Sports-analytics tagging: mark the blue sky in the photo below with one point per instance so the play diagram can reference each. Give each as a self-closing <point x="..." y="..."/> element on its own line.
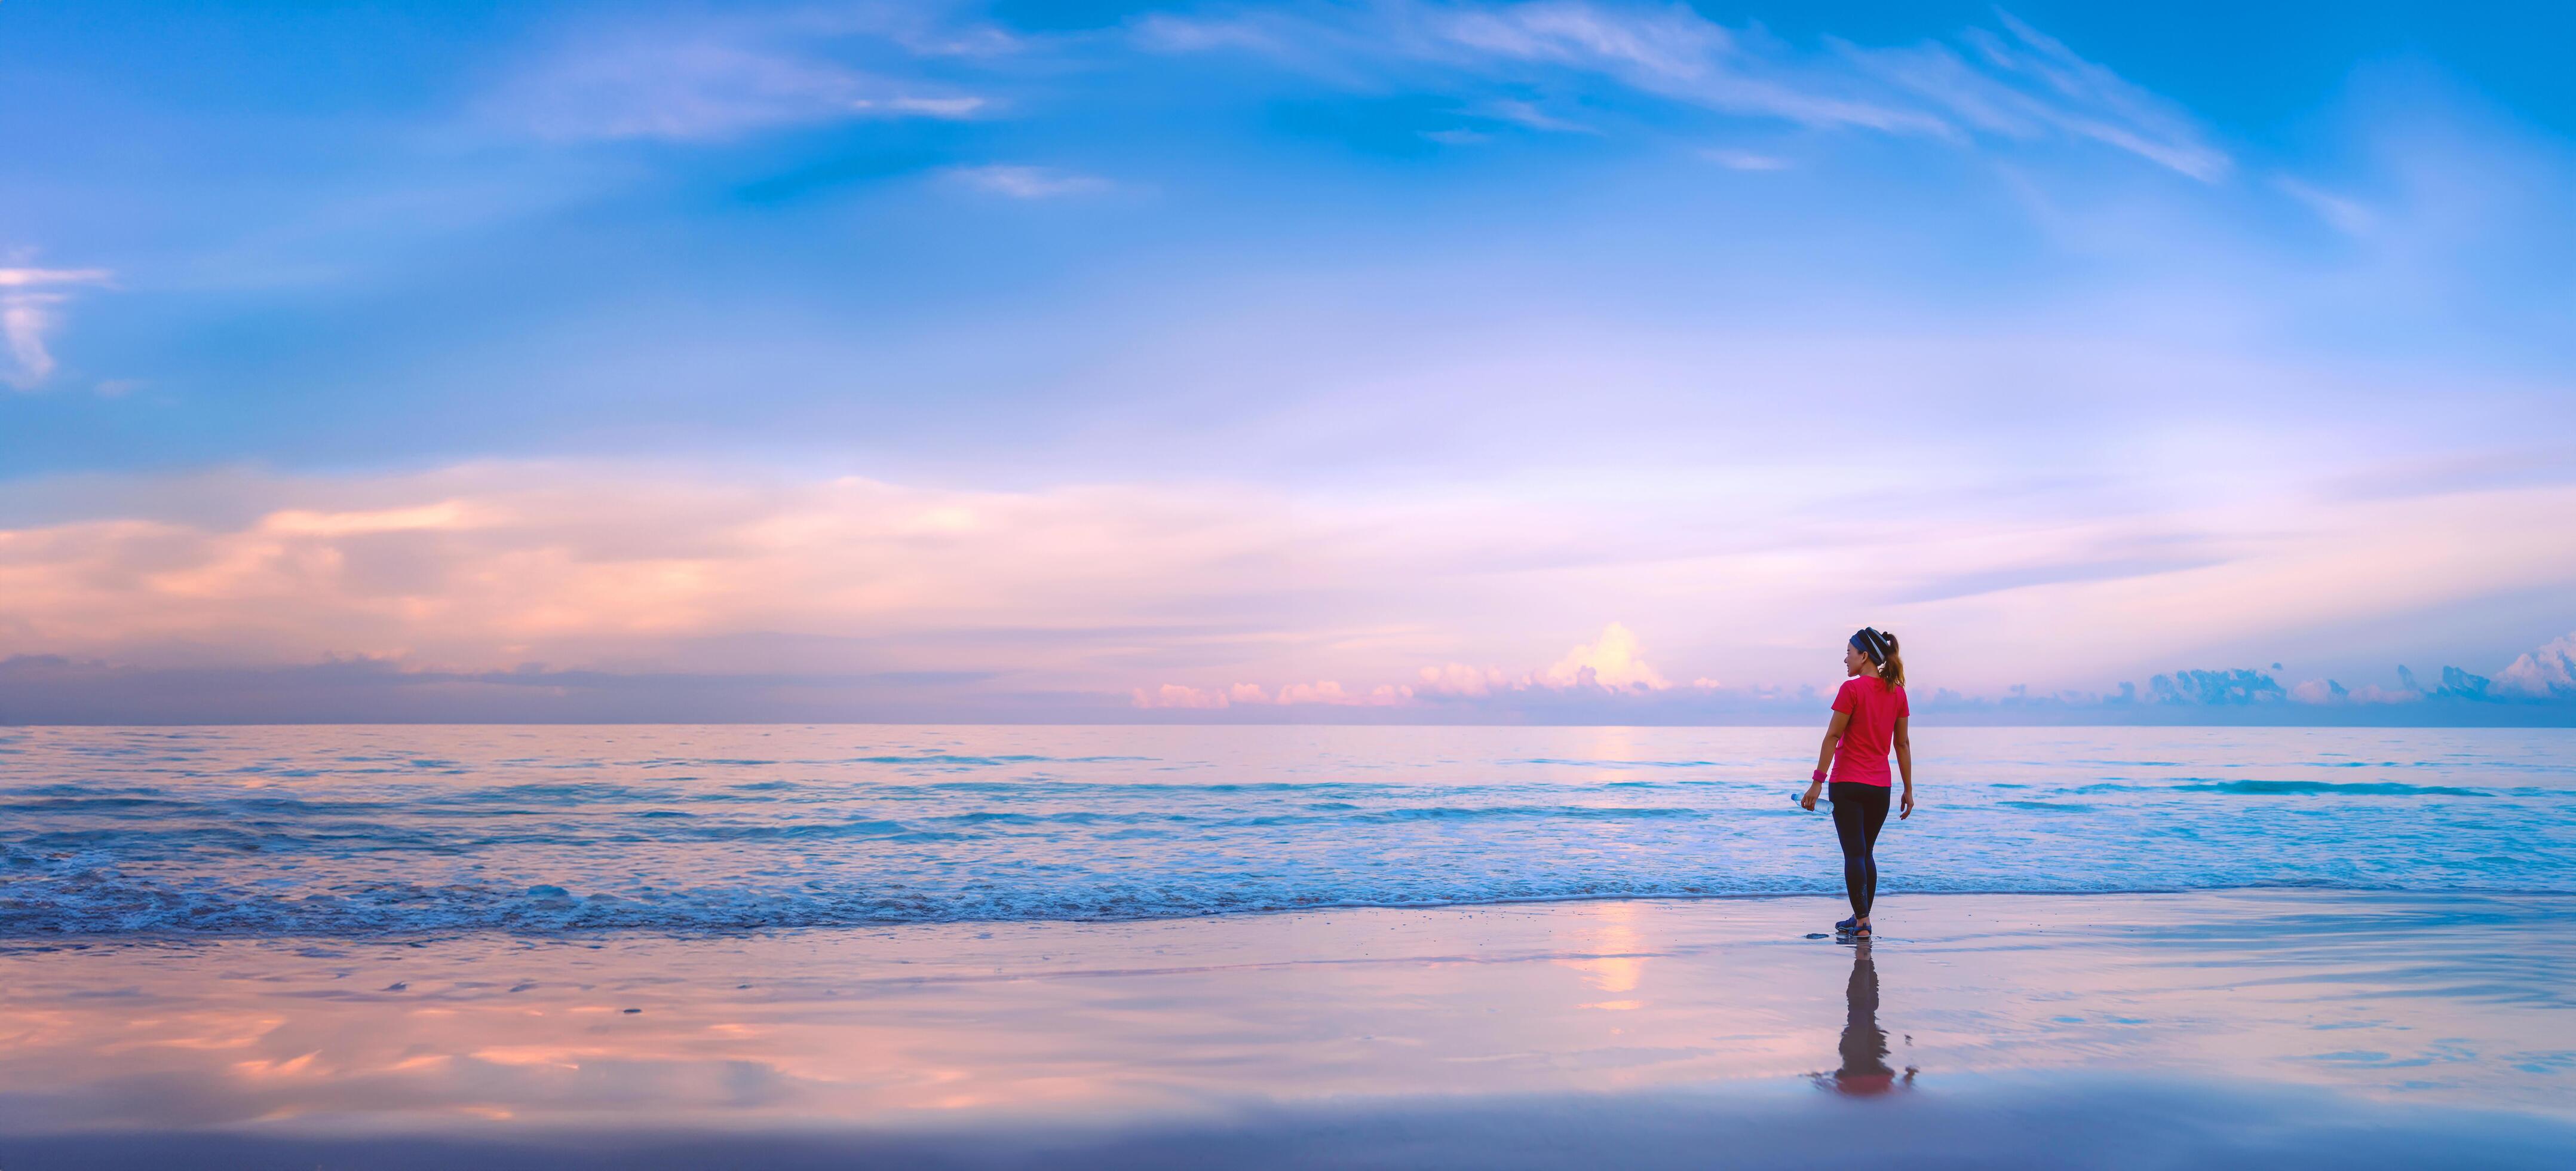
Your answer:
<point x="1051" y="360"/>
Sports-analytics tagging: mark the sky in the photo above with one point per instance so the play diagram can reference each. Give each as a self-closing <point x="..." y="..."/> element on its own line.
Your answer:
<point x="1395" y="360"/>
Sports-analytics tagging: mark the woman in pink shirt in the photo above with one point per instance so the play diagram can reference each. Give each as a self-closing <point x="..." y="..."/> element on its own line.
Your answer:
<point x="1869" y="719"/>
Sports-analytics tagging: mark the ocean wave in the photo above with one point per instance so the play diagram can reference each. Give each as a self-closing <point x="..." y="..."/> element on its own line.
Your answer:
<point x="2256" y="788"/>
<point x="394" y="831"/>
<point x="2335" y="788"/>
<point x="1620" y="764"/>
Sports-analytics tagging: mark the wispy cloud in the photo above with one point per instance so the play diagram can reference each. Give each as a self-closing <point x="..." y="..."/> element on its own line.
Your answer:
<point x="1027" y="182"/>
<point x="2016" y="84"/>
<point x="30" y="311"/>
<point x="721" y="80"/>
<point x="2025" y="84"/>
<point x="1744" y="160"/>
<point x="1671" y="51"/>
<point x="956" y="107"/>
<point x="1522" y="113"/>
<point x="29" y="278"/>
<point x="2345" y="214"/>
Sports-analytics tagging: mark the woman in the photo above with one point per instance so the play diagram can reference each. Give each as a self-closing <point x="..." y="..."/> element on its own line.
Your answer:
<point x="1869" y="718"/>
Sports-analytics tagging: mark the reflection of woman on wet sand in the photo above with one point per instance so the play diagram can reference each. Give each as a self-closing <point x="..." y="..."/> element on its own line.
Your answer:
<point x="1864" y="1070"/>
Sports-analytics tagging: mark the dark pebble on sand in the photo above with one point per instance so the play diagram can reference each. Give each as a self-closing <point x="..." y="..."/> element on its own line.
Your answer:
<point x="397" y="986"/>
<point x="634" y="1010"/>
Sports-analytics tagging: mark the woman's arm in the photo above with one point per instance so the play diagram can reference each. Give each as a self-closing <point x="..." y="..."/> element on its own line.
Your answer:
<point x="1825" y="755"/>
<point x="1905" y="767"/>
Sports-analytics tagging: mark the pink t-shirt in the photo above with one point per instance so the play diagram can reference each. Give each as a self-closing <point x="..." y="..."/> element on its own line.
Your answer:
<point x="1875" y="708"/>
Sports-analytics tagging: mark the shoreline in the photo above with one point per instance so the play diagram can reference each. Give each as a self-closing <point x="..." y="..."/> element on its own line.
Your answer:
<point x="12" y="944"/>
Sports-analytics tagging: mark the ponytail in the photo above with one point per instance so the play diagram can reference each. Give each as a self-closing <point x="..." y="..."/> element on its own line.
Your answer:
<point x="1879" y="647"/>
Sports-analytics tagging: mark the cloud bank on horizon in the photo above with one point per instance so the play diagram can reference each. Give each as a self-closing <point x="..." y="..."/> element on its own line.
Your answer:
<point x="1391" y="360"/>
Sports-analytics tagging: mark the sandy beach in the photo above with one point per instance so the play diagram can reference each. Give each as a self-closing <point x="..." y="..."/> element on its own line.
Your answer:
<point x="2147" y="1030"/>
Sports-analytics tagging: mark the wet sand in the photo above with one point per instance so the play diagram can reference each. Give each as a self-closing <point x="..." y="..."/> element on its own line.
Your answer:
<point x="2180" y="1030"/>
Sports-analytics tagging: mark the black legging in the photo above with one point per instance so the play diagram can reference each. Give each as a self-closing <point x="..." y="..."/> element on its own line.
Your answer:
<point x="1858" y="812"/>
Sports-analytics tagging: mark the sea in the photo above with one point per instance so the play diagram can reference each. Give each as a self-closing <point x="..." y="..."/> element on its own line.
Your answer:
<point x="407" y="831"/>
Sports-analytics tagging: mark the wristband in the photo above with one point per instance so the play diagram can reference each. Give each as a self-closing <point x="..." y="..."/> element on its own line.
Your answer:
<point x="1820" y="776"/>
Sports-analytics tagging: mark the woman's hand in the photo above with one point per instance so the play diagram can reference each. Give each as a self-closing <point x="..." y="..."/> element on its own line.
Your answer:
<point x="1808" y="802"/>
<point x="1909" y="802"/>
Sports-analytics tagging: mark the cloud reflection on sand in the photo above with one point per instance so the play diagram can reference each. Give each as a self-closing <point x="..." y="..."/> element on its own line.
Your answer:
<point x="1172" y="1020"/>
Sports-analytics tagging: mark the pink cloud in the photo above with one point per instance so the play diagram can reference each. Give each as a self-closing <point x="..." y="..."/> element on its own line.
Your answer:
<point x="1463" y="681"/>
<point x="1609" y="661"/>
<point x="1174" y="695"/>
<point x="2547" y="673"/>
<point x="2316" y="691"/>
<point x="1108" y="589"/>
<point x="486" y="566"/>
<point x="1324" y="692"/>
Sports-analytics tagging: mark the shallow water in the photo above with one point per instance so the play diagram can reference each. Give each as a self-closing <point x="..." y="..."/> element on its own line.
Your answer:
<point x="326" y="831"/>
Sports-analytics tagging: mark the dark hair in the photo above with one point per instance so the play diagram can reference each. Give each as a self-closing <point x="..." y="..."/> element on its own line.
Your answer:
<point x="1880" y="648"/>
